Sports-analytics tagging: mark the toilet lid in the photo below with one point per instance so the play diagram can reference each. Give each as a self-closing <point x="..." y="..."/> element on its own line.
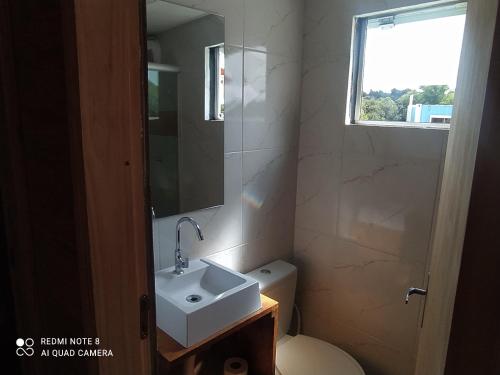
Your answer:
<point x="301" y="355"/>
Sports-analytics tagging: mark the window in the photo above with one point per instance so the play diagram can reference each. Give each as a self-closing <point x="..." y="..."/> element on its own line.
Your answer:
<point x="404" y="66"/>
<point x="214" y="83"/>
<point x="440" y="119"/>
<point x="153" y="94"/>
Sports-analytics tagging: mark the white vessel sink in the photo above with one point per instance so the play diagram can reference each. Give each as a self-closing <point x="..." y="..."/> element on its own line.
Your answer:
<point x="206" y="298"/>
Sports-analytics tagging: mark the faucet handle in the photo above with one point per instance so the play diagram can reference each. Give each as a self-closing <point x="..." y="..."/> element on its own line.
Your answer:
<point x="185" y="262"/>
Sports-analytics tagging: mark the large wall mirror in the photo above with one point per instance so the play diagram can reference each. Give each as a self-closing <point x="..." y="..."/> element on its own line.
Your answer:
<point x="185" y="76"/>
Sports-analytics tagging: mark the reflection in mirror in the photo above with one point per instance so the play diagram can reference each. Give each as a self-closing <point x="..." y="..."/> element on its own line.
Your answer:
<point x="185" y="77"/>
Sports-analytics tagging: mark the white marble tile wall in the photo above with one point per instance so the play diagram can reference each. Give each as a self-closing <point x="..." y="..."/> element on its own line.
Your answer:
<point x="364" y="197"/>
<point x="263" y="70"/>
<point x="365" y="204"/>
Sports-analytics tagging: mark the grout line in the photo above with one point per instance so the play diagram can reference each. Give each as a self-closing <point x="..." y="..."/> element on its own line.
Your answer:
<point x="243" y="53"/>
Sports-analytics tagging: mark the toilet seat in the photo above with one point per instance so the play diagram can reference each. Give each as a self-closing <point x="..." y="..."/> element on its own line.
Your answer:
<point x="302" y="354"/>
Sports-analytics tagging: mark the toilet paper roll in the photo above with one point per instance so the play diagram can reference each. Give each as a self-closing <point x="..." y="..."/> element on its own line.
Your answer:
<point x="235" y="366"/>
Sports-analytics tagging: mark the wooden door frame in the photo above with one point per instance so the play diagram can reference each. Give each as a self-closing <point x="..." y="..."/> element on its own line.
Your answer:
<point x="45" y="225"/>
<point x="456" y="187"/>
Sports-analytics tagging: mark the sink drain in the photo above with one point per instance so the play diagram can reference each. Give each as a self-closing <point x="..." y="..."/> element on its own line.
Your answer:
<point x="193" y="298"/>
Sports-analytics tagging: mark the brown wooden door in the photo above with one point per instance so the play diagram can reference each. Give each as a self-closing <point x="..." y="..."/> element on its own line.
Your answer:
<point x="73" y="179"/>
<point x="109" y="60"/>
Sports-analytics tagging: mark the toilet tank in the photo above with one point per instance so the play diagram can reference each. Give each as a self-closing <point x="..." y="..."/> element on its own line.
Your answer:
<point x="277" y="280"/>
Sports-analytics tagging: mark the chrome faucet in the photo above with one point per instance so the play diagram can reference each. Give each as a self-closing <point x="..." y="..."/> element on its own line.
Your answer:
<point x="181" y="262"/>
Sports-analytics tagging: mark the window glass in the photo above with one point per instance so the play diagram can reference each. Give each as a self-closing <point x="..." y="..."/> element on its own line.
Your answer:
<point x="153" y="94"/>
<point x="214" y="81"/>
<point x="408" y="66"/>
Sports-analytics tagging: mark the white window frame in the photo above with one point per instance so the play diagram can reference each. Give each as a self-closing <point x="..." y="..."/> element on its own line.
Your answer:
<point x="358" y="46"/>
<point x="213" y="99"/>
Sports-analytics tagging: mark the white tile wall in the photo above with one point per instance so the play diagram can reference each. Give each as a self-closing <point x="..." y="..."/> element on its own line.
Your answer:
<point x="271" y="102"/>
<point x="364" y="197"/>
<point x="365" y="205"/>
<point x="274" y="26"/>
<point x="263" y="70"/>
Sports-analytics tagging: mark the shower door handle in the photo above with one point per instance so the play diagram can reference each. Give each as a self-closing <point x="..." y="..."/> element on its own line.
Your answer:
<point x="411" y="291"/>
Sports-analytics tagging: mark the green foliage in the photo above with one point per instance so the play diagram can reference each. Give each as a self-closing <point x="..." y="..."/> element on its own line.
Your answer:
<point x="403" y="101"/>
<point x="449" y="98"/>
<point x="379" y="109"/>
<point x="153" y="99"/>
<point x="392" y="106"/>
<point x="434" y="94"/>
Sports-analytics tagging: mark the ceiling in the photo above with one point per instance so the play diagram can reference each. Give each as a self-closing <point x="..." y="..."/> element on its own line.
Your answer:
<point x="162" y="16"/>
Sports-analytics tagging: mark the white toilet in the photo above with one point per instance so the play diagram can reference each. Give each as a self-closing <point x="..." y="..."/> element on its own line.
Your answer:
<point x="299" y="355"/>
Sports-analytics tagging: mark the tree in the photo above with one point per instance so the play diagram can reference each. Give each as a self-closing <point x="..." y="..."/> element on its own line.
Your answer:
<point x="382" y="109"/>
<point x="449" y="98"/>
<point x="397" y="94"/>
<point x="403" y="102"/>
<point x="393" y="106"/>
<point x="434" y="94"/>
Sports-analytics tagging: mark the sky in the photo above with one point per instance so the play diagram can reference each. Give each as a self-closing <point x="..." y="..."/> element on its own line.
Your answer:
<point x="154" y="76"/>
<point x="413" y="54"/>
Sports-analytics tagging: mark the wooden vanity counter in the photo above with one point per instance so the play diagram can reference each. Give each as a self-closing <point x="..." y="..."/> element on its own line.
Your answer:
<point x="253" y="338"/>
